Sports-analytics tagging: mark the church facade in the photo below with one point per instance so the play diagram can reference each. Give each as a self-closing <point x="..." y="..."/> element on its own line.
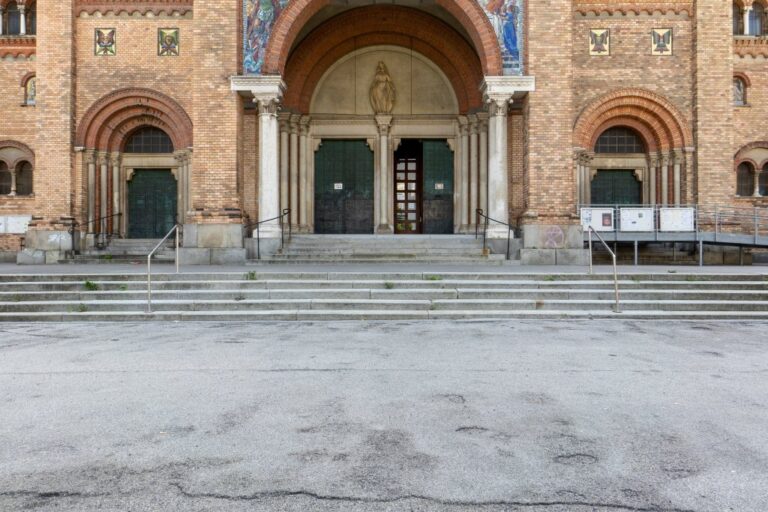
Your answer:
<point x="121" y="118"/>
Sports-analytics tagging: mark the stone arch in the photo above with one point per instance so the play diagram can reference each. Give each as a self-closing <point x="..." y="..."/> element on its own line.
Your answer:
<point x="743" y="155"/>
<point x="298" y="12"/>
<point x="14" y="152"/>
<point x="111" y="119"/>
<point x="650" y="113"/>
<point x="363" y="27"/>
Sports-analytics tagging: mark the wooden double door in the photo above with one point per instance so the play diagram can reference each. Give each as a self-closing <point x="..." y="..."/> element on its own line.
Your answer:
<point x="617" y="186"/>
<point x="152" y="200"/>
<point x="423" y="187"/>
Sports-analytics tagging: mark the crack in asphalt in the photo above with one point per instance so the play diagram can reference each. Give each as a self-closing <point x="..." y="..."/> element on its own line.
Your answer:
<point x="352" y="499"/>
<point x="47" y="495"/>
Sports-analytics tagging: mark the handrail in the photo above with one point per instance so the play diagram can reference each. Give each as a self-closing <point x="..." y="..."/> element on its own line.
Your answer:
<point x="590" y="230"/>
<point x="479" y="213"/>
<point x="257" y="225"/>
<point x="76" y="224"/>
<point x="175" y="229"/>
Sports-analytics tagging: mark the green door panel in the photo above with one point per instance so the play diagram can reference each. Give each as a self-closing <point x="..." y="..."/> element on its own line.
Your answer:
<point x="152" y="199"/>
<point x="438" y="187"/>
<point x="344" y="187"/>
<point x="616" y="187"/>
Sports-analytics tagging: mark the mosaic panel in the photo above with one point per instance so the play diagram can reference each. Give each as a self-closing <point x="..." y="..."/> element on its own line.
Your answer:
<point x="105" y="42"/>
<point x="168" y="42"/>
<point x="599" y="41"/>
<point x="507" y="17"/>
<point x="661" y="41"/>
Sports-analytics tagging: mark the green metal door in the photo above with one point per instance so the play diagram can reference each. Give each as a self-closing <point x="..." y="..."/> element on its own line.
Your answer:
<point x="344" y="187"/>
<point x="616" y="187"/>
<point x="438" y="187"/>
<point x="151" y="203"/>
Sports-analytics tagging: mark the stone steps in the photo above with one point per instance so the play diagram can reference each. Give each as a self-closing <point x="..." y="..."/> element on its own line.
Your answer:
<point x="379" y="295"/>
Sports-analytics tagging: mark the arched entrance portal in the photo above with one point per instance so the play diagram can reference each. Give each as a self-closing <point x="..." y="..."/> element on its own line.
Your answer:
<point x="136" y="163"/>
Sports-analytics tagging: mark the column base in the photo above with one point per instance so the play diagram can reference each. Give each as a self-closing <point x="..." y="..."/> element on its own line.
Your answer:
<point x="499" y="231"/>
<point x="384" y="229"/>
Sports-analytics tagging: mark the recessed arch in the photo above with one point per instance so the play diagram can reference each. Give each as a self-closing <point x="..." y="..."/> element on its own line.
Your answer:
<point x="111" y="119"/>
<point x="468" y="13"/>
<point x="19" y="152"/>
<point x="380" y="26"/>
<point x="650" y="114"/>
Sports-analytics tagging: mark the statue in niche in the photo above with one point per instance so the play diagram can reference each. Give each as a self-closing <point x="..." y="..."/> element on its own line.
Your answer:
<point x="382" y="91"/>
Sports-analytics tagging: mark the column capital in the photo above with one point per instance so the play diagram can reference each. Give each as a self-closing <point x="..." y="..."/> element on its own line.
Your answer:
<point x="383" y="122"/>
<point x="499" y="91"/>
<point x="115" y="158"/>
<point x="89" y="155"/>
<point x="266" y="91"/>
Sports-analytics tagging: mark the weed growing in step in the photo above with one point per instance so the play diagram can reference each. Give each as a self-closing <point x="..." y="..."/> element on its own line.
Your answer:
<point x="90" y="286"/>
<point x="433" y="278"/>
<point x="82" y="308"/>
<point x="106" y="257"/>
<point x="389" y="285"/>
<point x="550" y="278"/>
<point x="250" y="276"/>
<point x="16" y="298"/>
<point x="690" y="278"/>
<point x="239" y="298"/>
<point x="123" y="287"/>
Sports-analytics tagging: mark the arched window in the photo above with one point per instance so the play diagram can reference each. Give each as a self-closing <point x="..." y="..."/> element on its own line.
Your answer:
<point x="763" y="181"/>
<point x="739" y="91"/>
<point x="149" y="140"/>
<point x="745" y="180"/>
<point x="756" y="19"/>
<point x="30" y="91"/>
<point x="32" y="19"/>
<point x="738" y="20"/>
<point x="24" y="179"/>
<point x="5" y="179"/>
<point x="619" y="140"/>
<point x="12" y="20"/>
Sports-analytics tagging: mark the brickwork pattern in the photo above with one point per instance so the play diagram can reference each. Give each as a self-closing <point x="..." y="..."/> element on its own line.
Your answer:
<point x="516" y="165"/>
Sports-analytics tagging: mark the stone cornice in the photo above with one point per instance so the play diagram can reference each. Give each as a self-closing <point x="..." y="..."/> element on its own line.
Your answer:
<point x="155" y="7"/>
<point x="17" y="46"/>
<point x="636" y="7"/>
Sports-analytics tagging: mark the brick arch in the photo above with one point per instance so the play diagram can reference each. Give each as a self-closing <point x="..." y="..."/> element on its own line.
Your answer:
<point x="650" y="139"/>
<point x="298" y="12"/>
<point x="660" y="119"/>
<point x="111" y="119"/>
<point x="383" y="25"/>
<point x="27" y="154"/>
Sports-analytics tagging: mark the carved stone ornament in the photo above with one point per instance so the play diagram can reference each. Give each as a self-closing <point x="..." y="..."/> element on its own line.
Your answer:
<point x="382" y="91"/>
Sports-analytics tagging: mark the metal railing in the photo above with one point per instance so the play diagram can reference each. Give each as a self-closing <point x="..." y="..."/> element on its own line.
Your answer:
<point x="590" y="231"/>
<point x="257" y="225"/>
<point x="480" y="214"/>
<point x="104" y="235"/>
<point x="176" y="229"/>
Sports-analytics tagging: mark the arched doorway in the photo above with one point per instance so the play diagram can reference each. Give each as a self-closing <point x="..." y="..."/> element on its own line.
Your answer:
<point x="618" y="182"/>
<point x="136" y="164"/>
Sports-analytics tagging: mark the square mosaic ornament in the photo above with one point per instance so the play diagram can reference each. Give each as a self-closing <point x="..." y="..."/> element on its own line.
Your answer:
<point x="168" y="42"/>
<point x="105" y="42"/>
<point x="599" y="41"/>
<point x="661" y="41"/>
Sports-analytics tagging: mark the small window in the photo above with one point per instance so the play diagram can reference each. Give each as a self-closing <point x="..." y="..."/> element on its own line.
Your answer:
<point x="738" y="20"/>
<point x="763" y="181"/>
<point x="756" y="19"/>
<point x="619" y="140"/>
<point x="739" y="92"/>
<point x="24" y="179"/>
<point x="5" y="179"/>
<point x="149" y="140"/>
<point x="12" y="20"/>
<point x="745" y="180"/>
<point x="30" y="91"/>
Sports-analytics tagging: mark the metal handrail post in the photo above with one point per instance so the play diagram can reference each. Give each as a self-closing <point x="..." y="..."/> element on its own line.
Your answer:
<point x="589" y="232"/>
<point x="509" y="238"/>
<point x="757" y="225"/>
<point x="617" y="307"/>
<point x="175" y="229"/>
<point x="258" y="243"/>
<point x="177" y="249"/>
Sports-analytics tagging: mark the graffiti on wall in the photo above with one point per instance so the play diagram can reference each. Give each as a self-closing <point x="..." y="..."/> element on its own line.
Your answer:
<point x="506" y="16"/>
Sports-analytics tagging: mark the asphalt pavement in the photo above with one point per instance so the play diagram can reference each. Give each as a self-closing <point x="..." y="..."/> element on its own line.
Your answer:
<point x="555" y="416"/>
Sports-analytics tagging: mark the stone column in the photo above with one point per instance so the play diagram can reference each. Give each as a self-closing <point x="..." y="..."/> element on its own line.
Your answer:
<point x="463" y="187"/>
<point x="652" y="163"/>
<point x="303" y="181"/>
<point x="474" y="162"/>
<point x="383" y="122"/>
<point x="284" y="160"/>
<point x="665" y="179"/>
<point x="1" y="20"/>
<point x="677" y="179"/>
<point x="103" y="192"/>
<point x="756" y="174"/>
<point x="483" y="178"/>
<point x="269" y="195"/>
<point x="22" y="20"/>
<point x="114" y="221"/>
<point x="747" y="12"/>
<point x="294" y="169"/>
<point x="13" y="181"/>
<point x="498" y="177"/>
<point x="90" y="159"/>
<point x="182" y="178"/>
